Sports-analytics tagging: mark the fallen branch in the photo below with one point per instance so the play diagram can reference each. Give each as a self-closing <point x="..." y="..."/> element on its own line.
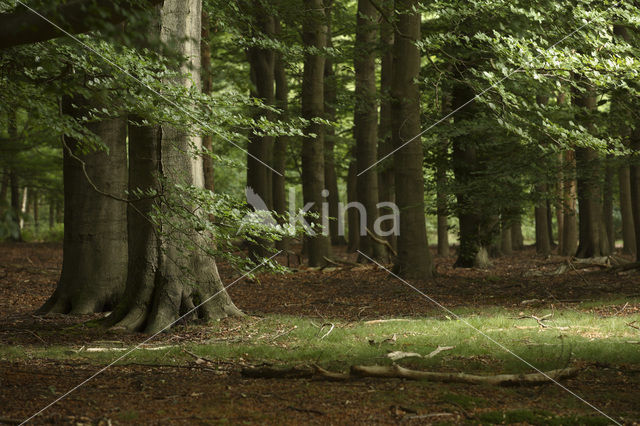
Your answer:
<point x="297" y="372"/>
<point x="381" y="321"/>
<point x="397" y="371"/>
<point x="381" y="241"/>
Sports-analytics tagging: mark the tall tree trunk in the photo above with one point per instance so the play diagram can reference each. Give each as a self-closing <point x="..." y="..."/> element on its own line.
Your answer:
<point x="366" y="122"/>
<point x="442" y="166"/>
<point x="558" y="203"/>
<point x="592" y="235"/>
<point x="517" y="239"/>
<point x="24" y="205"/>
<point x="353" y="215"/>
<point x="607" y="205"/>
<point x="15" y="202"/>
<point x="314" y="36"/>
<point x="330" y="100"/>
<point x="386" y="175"/>
<point x="464" y="163"/>
<point x="414" y="259"/>
<point x="569" y="213"/>
<point x="94" y="264"/>
<point x="36" y="224"/>
<point x="634" y="174"/>
<point x="281" y="142"/>
<point x="52" y="212"/>
<point x="166" y="280"/>
<point x="543" y="243"/>
<point x="506" y="245"/>
<point x="628" y="229"/>
<point x="207" y="87"/>
<point x="4" y="186"/>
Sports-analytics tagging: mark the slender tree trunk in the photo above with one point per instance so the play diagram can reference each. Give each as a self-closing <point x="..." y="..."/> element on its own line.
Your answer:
<point x="330" y="101"/>
<point x="353" y="215"/>
<point x="558" y="204"/>
<point x="94" y="264"/>
<point x="52" y="212"/>
<point x="314" y="36"/>
<point x="607" y="205"/>
<point x="15" y="201"/>
<point x="166" y="280"/>
<point x="281" y="142"/>
<point x="543" y="242"/>
<point x="36" y="219"/>
<point x="24" y="206"/>
<point x="414" y="259"/>
<point x="366" y="122"/>
<point x="569" y="213"/>
<point x="207" y="87"/>
<point x="386" y="175"/>
<point x="543" y="245"/>
<point x="442" y="167"/>
<point x="628" y="229"/>
<point x="634" y="174"/>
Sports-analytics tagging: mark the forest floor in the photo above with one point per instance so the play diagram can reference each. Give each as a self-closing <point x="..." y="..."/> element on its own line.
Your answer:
<point x="192" y="374"/>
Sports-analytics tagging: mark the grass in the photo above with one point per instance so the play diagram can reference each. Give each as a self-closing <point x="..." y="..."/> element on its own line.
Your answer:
<point x="573" y="334"/>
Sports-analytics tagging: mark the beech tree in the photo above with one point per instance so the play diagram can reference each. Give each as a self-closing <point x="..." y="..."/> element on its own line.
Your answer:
<point x="414" y="259"/>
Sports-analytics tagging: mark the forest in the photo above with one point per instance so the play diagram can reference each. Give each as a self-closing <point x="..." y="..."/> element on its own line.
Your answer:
<point x="319" y="212"/>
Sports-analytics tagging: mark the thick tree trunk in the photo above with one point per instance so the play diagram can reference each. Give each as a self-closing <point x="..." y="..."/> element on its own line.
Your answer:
<point x="386" y="175"/>
<point x="414" y="259"/>
<point x="569" y="213"/>
<point x="207" y="87"/>
<point x="165" y="280"/>
<point x="543" y="245"/>
<point x="94" y="265"/>
<point x="314" y="36"/>
<point x="592" y="235"/>
<point x="464" y="163"/>
<point x="506" y="245"/>
<point x="517" y="239"/>
<point x="330" y="101"/>
<point x="260" y="148"/>
<point x="281" y="142"/>
<point x="628" y="229"/>
<point x="366" y="123"/>
<point x="52" y="212"/>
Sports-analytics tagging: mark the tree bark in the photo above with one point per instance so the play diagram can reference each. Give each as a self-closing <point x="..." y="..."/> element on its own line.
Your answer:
<point x="414" y="259"/>
<point x="166" y="281"/>
<point x="634" y="173"/>
<point x="94" y="264"/>
<point x="628" y="228"/>
<point x="366" y="123"/>
<point x="517" y="239"/>
<point x="207" y="87"/>
<point x="569" y="213"/>
<point x="607" y="205"/>
<point x="386" y="175"/>
<point x="314" y="36"/>
<point x="592" y="235"/>
<point x="353" y="215"/>
<point x="330" y="100"/>
<point x="281" y="142"/>
<point x="464" y="163"/>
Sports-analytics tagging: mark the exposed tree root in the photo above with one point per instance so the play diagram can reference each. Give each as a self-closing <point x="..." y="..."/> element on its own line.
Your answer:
<point x="396" y="371"/>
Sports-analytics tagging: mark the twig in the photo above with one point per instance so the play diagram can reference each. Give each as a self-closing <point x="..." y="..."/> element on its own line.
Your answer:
<point x="328" y="332"/>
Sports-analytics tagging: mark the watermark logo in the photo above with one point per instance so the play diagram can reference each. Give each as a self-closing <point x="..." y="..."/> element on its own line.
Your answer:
<point x="298" y="217"/>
